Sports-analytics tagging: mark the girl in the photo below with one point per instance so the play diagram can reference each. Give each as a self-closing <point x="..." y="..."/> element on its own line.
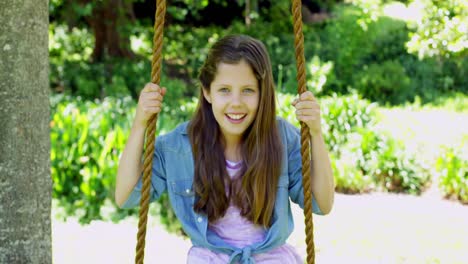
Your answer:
<point x="232" y="169"/>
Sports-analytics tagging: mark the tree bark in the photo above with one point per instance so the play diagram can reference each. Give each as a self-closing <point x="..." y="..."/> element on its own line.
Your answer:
<point x="25" y="182"/>
<point x="109" y="18"/>
<point x="247" y="13"/>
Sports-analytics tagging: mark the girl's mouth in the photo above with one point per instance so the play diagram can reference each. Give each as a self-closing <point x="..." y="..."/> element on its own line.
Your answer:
<point x="235" y="118"/>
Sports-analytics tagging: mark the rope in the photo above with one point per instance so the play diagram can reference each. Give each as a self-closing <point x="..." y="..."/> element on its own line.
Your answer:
<point x="150" y="132"/>
<point x="151" y="129"/>
<point x="305" y="136"/>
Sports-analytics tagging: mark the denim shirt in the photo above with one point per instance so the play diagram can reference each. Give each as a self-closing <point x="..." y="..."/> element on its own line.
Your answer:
<point x="173" y="171"/>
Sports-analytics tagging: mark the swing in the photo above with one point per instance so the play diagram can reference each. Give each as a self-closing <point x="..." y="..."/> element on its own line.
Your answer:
<point x="151" y="129"/>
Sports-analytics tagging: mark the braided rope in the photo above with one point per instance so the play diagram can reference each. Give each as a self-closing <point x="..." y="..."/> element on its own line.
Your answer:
<point x="150" y="132"/>
<point x="305" y="136"/>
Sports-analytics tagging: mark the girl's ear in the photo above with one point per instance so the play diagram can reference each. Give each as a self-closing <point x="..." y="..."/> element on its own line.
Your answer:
<point x="206" y="94"/>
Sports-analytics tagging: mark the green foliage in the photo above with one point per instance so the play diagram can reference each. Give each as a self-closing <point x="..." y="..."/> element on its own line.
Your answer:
<point x="388" y="37"/>
<point x="452" y="164"/>
<point x="425" y="77"/>
<point x="347" y="45"/>
<point x="70" y="44"/>
<point x="379" y="161"/>
<point x="348" y="177"/>
<point x="71" y="72"/>
<point x="185" y="48"/>
<point x="362" y="43"/>
<point x="359" y="39"/>
<point x="113" y="77"/>
<point x="369" y="11"/>
<point x="190" y="6"/>
<point x="455" y="102"/>
<point x="438" y="37"/>
<point x="344" y="115"/>
<point x="86" y="140"/>
<point x="70" y="11"/>
<point x="340" y="116"/>
<point x="432" y="80"/>
<point x="318" y="74"/>
<point x="441" y="30"/>
<point x="401" y="171"/>
<point x="363" y="146"/>
<point x="358" y="48"/>
<point x="386" y="160"/>
<point x="179" y="9"/>
<point x="386" y="82"/>
<point x="363" y="159"/>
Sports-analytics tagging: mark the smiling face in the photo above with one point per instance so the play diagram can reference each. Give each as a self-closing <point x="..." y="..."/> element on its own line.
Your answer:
<point x="236" y="119"/>
<point x="234" y="96"/>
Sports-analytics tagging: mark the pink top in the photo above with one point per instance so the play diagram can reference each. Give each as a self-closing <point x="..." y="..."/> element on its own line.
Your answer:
<point x="240" y="232"/>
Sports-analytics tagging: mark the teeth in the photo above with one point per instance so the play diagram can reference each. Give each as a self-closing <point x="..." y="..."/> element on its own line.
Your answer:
<point x="235" y="117"/>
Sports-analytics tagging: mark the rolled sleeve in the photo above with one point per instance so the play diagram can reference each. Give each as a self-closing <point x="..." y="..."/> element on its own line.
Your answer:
<point x="296" y="188"/>
<point x="158" y="178"/>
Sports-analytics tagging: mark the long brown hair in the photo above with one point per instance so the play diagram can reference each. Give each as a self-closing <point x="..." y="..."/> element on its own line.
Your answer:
<point x="254" y="191"/>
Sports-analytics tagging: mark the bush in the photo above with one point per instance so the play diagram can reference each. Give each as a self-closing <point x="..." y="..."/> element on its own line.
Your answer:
<point x="72" y="72"/>
<point x="356" y="37"/>
<point x="344" y="115"/>
<point x="318" y="73"/>
<point x="185" y="48"/>
<point x="86" y="140"/>
<point x="388" y="38"/>
<point x="348" y="177"/>
<point x="425" y="75"/>
<point x="363" y="159"/>
<point x="452" y="165"/>
<point x="347" y="44"/>
<point x="340" y="116"/>
<point x="385" y="83"/>
<point x="400" y="171"/>
<point x="386" y="161"/>
<point x="114" y="77"/>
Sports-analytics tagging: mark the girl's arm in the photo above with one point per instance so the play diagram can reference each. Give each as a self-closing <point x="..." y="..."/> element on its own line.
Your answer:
<point x="323" y="184"/>
<point x="130" y="165"/>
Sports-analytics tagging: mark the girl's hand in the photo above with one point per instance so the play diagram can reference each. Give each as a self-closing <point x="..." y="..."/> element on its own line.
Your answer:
<point x="149" y="103"/>
<point x="308" y="111"/>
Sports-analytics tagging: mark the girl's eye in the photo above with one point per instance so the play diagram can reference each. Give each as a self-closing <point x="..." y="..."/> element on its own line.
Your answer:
<point x="249" y="90"/>
<point x="224" y="90"/>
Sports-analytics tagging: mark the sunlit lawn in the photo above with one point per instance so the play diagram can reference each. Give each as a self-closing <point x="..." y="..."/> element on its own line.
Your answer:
<point x="376" y="228"/>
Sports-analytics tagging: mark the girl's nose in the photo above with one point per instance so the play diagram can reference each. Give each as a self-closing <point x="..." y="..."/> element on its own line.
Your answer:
<point x="236" y="99"/>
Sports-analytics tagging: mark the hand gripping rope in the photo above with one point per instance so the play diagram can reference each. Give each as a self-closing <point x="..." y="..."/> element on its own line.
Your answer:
<point x="151" y="129"/>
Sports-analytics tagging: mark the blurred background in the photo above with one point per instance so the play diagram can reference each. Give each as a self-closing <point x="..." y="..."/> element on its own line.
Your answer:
<point x="392" y="80"/>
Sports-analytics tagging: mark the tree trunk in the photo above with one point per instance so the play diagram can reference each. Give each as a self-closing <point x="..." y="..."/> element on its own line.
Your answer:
<point x="247" y="13"/>
<point x="108" y="20"/>
<point x="25" y="182"/>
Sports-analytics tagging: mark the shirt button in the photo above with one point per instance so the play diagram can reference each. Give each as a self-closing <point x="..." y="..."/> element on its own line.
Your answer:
<point x="199" y="219"/>
<point x="187" y="191"/>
